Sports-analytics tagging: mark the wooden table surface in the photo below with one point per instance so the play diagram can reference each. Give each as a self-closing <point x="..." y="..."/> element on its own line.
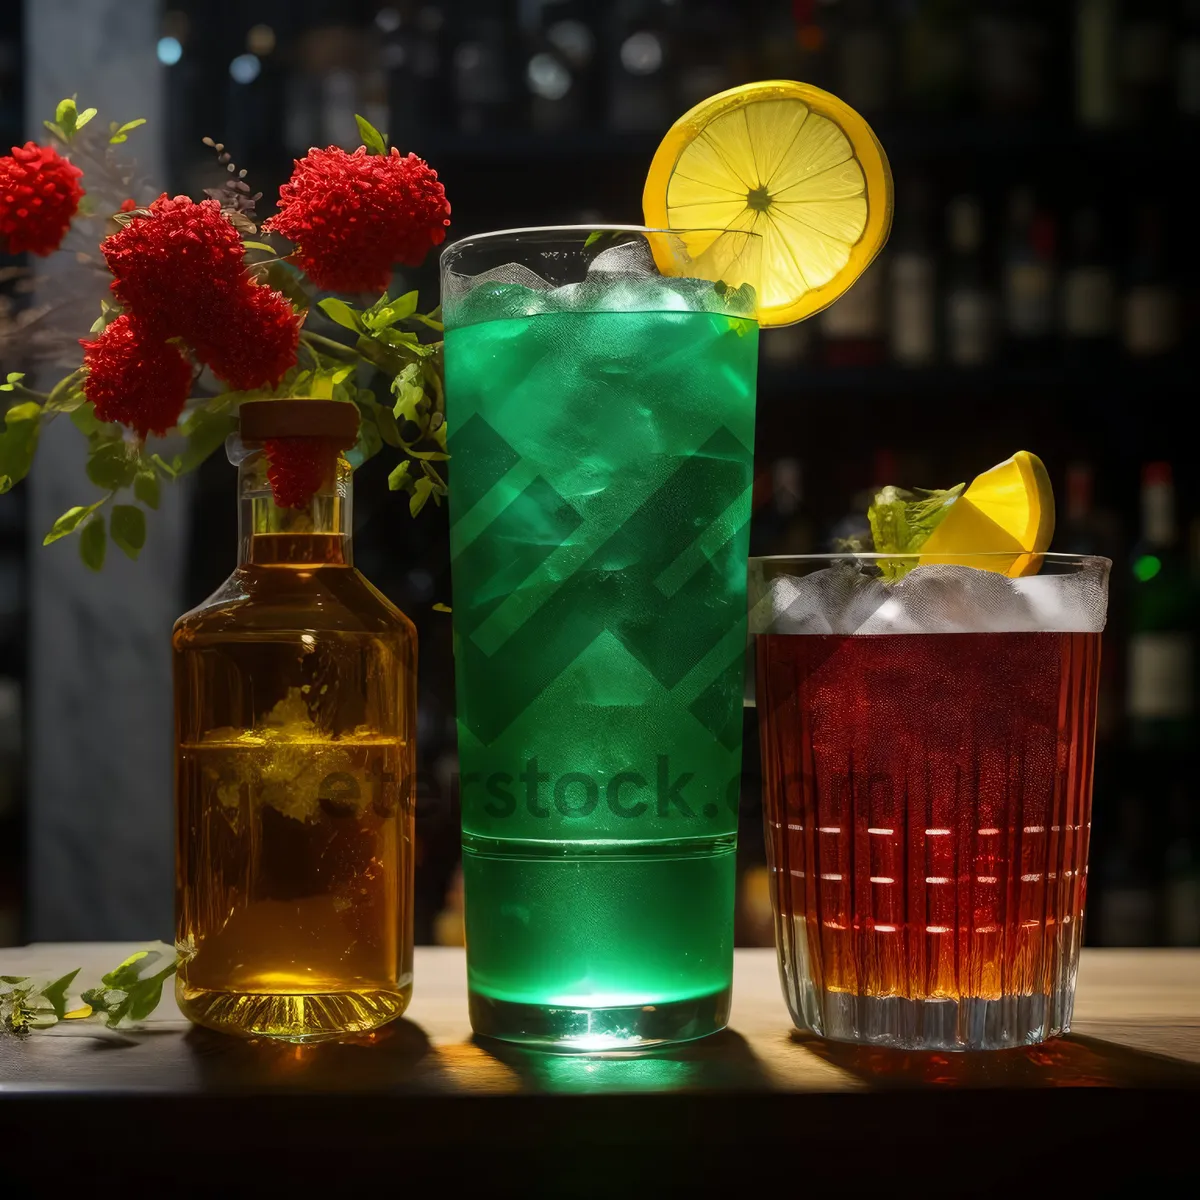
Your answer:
<point x="424" y="1097"/>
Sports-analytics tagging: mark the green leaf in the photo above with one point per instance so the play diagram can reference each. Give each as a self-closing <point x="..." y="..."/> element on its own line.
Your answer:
<point x="442" y="608"/>
<point x="170" y="470"/>
<point x="146" y="488"/>
<point x="387" y="426"/>
<point x="901" y="521"/>
<point x="93" y="542"/>
<point x="56" y="129"/>
<point x="56" y="993"/>
<point x="409" y="392"/>
<point x="206" y="431"/>
<point x="111" y="466"/>
<point x="592" y="238"/>
<point x="84" y="419"/>
<point x="375" y="142"/>
<point x="430" y="320"/>
<point x="398" y="479"/>
<point x="67" y="394"/>
<point x="134" y="988"/>
<point x="71" y="520"/>
<point x="121" y="133"/>
<point x="259" y="246"/>
<point x="341" y="313"/>
<point x="83" y="118"/>
<point x="129" y="529"/>
<point x="390" y="313"/>
<point x="19" y="441"/>
<point x="369" y="443"/>
<point x="14" y="377"/>
<point x="422" y="490"/>
<point x="65" y="116"/>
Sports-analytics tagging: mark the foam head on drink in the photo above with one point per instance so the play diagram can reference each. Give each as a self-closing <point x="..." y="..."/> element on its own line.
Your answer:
<point x="604" y="434"/>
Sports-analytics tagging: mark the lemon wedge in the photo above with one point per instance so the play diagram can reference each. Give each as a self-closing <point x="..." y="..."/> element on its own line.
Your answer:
<point x="1003" y="522"/>
<point x="791" y="163"/>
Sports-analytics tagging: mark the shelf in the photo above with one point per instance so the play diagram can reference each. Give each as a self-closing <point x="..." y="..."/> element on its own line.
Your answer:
<point x="917" y="137"/>
<point x="1121" y="379"/>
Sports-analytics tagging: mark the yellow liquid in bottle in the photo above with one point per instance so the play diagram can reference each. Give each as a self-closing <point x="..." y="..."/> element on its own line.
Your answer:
<point x="295" y="707"/>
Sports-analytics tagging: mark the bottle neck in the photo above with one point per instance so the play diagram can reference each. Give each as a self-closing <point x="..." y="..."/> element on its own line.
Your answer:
<point x="317" y="535"/>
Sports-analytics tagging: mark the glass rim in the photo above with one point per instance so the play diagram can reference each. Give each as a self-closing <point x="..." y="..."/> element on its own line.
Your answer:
<point x="587" y="229"/>
<point x="942" y="559"/>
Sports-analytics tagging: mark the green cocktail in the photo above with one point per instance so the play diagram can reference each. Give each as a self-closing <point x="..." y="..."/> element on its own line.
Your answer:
<point x="602" y="437"/>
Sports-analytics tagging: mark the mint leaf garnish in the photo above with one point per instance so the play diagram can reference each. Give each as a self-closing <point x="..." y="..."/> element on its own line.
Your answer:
<point x="902" y="520"/>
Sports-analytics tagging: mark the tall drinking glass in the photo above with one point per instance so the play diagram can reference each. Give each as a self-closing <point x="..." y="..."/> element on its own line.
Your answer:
<point x="927" y="743"/>
<point x="600" y="390"/>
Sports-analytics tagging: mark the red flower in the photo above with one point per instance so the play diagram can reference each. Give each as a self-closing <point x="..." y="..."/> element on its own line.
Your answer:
<point x="39" y="194"/>
<point x="128" y="205"/>
<point x="254" y="343"/>
<point x="297" y="467"/>
<point x="180" y="268"/>
<point x="136" y="378"/>
<point x="352" y="216"/>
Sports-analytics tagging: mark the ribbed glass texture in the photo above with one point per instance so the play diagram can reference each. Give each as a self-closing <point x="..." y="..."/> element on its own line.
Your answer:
<point x="928" y="807"/>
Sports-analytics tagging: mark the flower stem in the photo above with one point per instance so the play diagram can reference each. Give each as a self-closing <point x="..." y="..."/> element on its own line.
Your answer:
<point x="334" y="349"/>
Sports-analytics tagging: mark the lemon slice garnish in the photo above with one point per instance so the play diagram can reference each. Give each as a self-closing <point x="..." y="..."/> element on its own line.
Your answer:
<point x="791" y="163"/>
<point x="1003" y="522"/>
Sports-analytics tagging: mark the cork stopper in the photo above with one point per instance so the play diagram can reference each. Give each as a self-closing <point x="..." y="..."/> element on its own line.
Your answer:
<point x="336" y="420"/>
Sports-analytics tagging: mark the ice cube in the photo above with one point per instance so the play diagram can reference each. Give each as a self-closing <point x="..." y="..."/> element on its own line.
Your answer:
<point x="496" y="302"/>
<point x="1073" y="603"/>
<point x="511" y="290"/>
<point x="631" y="258"/>
<point x="836" y="600"/>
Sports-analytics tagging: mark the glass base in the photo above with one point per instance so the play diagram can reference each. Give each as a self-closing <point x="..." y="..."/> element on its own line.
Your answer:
<point x="594" y="1030"/>
<point x="969" y="1023"/>
<point x="292" y="1016"/>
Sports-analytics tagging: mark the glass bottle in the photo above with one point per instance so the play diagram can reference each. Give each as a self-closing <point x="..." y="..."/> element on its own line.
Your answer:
<point x="295" y="710"/>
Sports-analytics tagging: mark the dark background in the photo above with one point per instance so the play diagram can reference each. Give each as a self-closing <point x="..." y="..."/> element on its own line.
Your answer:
<point x="1039" y="292"/>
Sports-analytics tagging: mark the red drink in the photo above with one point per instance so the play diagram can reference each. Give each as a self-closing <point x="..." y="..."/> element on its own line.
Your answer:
<point x="928" y="804"/>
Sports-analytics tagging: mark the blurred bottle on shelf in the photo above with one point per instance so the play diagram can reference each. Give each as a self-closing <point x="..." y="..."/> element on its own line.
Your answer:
<point x="780" y="524"/>
<point x="639" y="69"/>
<point x="1126" y="912"/>
<point x="1187" y="62"/>
<point x="970" y="308"/>
<point x="1028" y="279"/>
<point x="1161" y="675"/>
<point x="1012" y="46"/>
<point x="864" y="53"/>
<point x="11" y="841"/>
<point x="1181" y="872"/>
<point x="415" y="56"/>
<point x="560" y="67"/>
<point x="1097" y="88"/>
<point x="934" y="69"/>
<point x="482" y="62"/>
<point x="1146" y="60"/>
<point x="1089" y="293"/>
<point x="710" y="52"/>
<point x="788" y="345"/>
<point x="853" y="331"/>
<point x="1150" y="306"/>
<point x="796" y="43"/>
<point x="912" y="284"/>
